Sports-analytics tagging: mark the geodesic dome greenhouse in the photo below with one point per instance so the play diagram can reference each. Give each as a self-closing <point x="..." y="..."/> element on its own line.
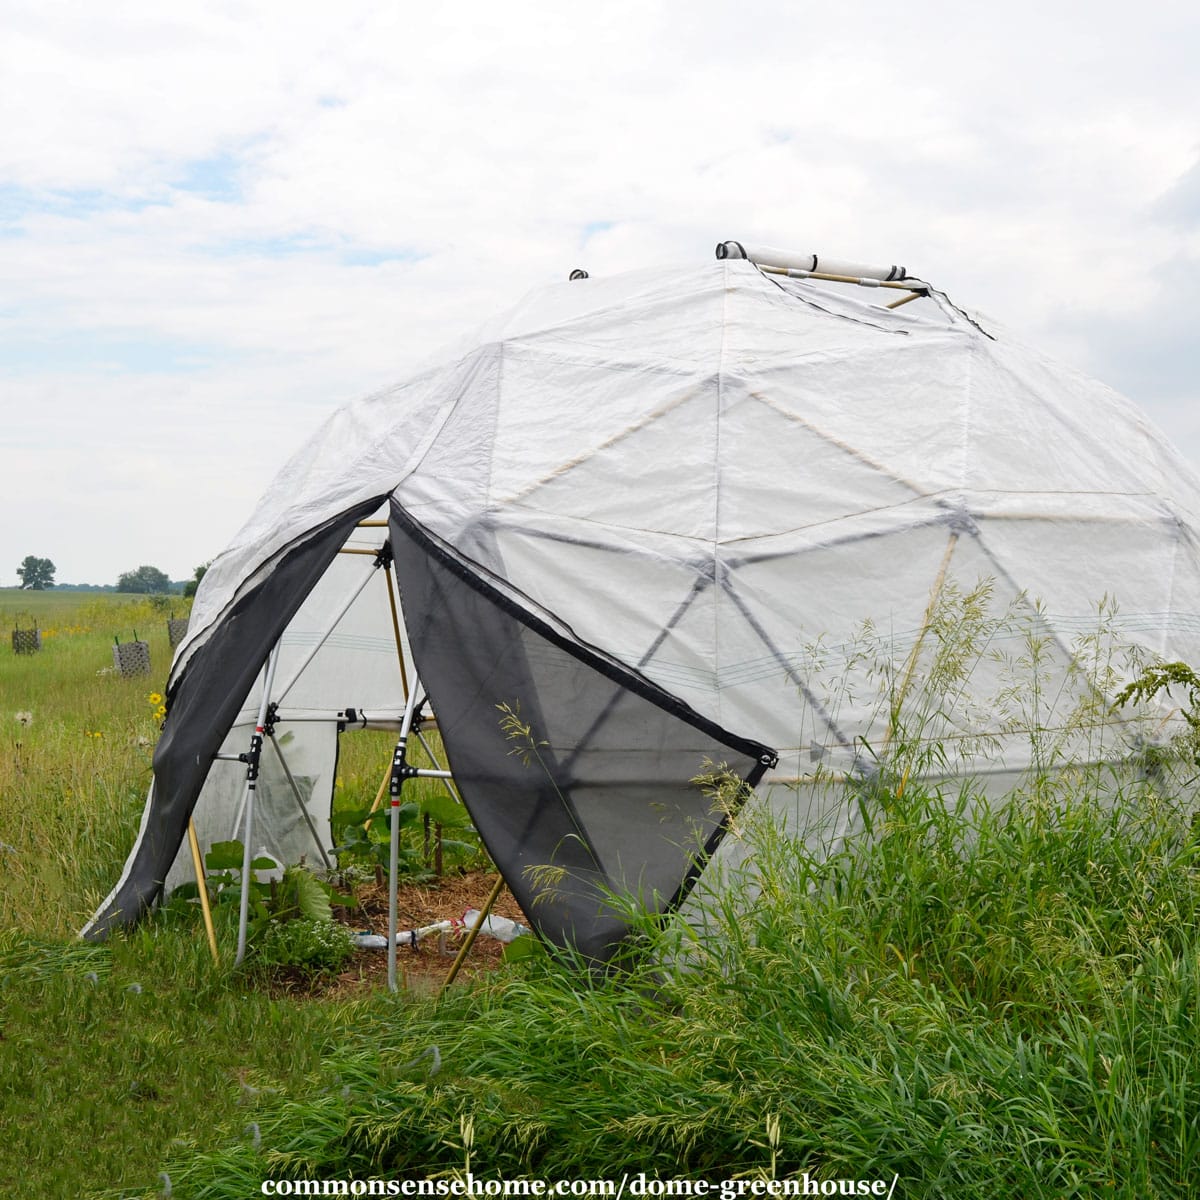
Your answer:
<point x="649" y="520"/>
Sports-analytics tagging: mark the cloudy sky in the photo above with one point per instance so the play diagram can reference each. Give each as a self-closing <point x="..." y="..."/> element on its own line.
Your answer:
<point x="220" y="220"/>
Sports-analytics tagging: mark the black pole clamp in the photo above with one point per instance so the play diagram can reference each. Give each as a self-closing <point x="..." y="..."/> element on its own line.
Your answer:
<point x="400" y="768"/>
<point x="253" y="756"/>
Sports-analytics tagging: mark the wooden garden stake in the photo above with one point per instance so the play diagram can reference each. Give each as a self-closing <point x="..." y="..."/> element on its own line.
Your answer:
<point x="472" y="934"/>
<point x="202" y="886"/>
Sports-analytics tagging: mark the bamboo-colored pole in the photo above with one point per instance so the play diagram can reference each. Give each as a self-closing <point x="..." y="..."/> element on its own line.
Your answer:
<point x="202" y="887"/>
<point x="358" y="550"/>
<point x="797" y="273"/>
<point x="472" y="934"/>
<point x="396" y="630"/>
<point x="907" y="299"/>
<point x="372" y="525"/>
<point x="383" y="787"/>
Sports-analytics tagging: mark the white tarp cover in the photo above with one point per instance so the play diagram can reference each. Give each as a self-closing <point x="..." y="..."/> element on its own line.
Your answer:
<point x="767" y="497"/>
<point x="717" y="477"/>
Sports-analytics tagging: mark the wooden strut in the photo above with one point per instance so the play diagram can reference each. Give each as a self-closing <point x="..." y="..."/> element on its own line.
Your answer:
<point x="383" y="787"/>
<point x="202" y="888"/>
<point x="796" y="273"/>
<point x="895" y="285"/>
<point x="472" y="934"/>
<point x="396" y="630"/>
<point x="387" y="776"/>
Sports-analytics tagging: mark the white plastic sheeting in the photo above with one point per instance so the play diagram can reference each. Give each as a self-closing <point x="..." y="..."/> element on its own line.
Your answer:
<point x="718" y="477"/>
<point x="281" y="831"/>
<point x="333" y="657"/>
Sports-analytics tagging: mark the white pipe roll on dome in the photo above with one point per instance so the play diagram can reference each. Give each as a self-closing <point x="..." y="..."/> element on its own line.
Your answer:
<point x="790" y="260"/>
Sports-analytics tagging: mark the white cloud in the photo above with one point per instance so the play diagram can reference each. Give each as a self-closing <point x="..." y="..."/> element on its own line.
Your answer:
<point x="219" y="220"/>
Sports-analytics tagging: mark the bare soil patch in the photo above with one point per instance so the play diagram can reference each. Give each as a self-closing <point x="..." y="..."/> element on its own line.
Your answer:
<point x="423" y="968"/>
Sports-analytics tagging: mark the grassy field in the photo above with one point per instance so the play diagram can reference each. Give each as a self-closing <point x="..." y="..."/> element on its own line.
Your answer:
<point x="978" y="1001"/>
<point x="106" y="1052"/>
<point x="77" y="744"/>
<point x="109" y="1053"/>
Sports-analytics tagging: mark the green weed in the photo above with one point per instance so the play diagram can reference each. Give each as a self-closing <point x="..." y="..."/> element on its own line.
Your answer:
<point x="305" y="944"/>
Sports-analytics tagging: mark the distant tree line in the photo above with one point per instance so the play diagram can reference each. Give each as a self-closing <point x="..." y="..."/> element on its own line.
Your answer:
<point x="38" y="574"/>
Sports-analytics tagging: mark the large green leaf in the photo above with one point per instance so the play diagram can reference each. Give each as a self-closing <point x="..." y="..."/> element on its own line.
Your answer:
<point x="311" y="898"/>
<point x="445" y="810"/>
<point x="224" y="856"/>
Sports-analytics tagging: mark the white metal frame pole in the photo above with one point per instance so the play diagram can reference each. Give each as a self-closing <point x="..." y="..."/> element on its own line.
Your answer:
<point x="252" y="761"/>
<point x="397" y="784"/>
<point x="400" y="772"/>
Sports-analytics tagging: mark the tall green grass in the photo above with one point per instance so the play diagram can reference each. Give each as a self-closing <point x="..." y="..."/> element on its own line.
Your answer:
<point x="981" y="1000"/>
<point x="981" y="997"/>
<point x="108" y="1053"/>
<point x="977" y="996"/>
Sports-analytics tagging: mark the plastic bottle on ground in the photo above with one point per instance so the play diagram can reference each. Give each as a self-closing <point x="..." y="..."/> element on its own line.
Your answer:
<point x="500" y="928"/>
<point x="370" y="941"/>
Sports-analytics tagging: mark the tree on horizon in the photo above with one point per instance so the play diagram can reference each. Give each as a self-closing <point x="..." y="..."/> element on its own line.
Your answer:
<point x="36" y="573"/>
<point x="189" y="588"/>
<point x="145" y="580"/>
